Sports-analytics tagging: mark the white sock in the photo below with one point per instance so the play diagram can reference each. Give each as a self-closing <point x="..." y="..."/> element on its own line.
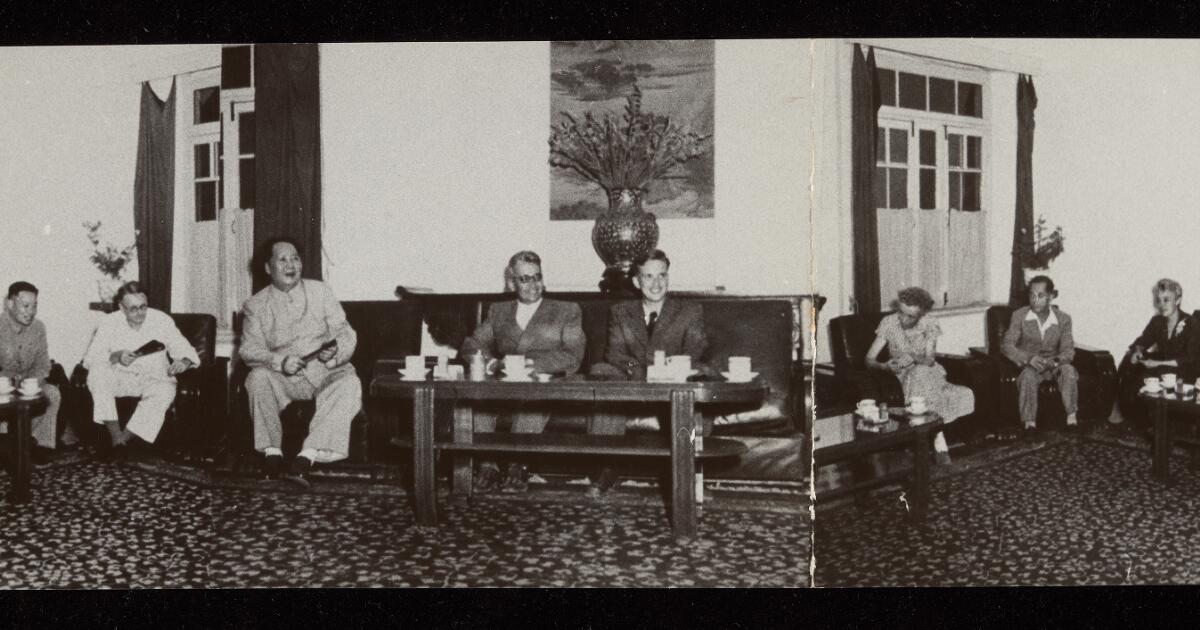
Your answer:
<point x="1071" y="420"/>
<point x="310" y="454"/>
<point x="271" y="450"/>
<point x="939" y="443"/>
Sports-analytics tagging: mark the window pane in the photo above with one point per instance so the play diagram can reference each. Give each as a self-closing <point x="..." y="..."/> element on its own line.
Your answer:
<point x="898" y="141"/>
<point x="970" y="99"/>
<point x="912" y="90"/>
<point x="880" y="144"/>
<point x="246" y="173"/>
<point x="898" y="187"/>
<point x="206" y="105"/>
<point x="880" y="186"/>
<point x="954" y="142"/>
<point x="246" y="133"/>
<point x="941" y="95"/>
<point x="974" y="147"/>
<point x="928" y="147"/>
<point x="203" y="167"/>
<point x="206" y="201"/>
<point x="955" y="191"/>
<point x="235" y="67"/>
<point x="928" y="188"/>
<point x="887" y="86"/>
<point x="971" y="192"/>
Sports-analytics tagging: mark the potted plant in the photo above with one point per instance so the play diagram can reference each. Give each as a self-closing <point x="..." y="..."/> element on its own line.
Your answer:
<point x="1038" y="251"/>
<point x="110" y="261"/>
<point x="622" y="155"/>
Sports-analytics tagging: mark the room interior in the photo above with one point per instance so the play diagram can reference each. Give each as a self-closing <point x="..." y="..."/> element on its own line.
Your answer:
<point x="429" y="151"/>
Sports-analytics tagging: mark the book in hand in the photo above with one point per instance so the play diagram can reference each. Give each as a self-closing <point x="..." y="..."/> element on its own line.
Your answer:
<point x="325" y="346"/>
<point x="151" y="347"/>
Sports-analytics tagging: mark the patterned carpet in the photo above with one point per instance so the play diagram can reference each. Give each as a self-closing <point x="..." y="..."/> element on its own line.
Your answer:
<point x="95" y="525"/>
<point x="1072" y="511"/>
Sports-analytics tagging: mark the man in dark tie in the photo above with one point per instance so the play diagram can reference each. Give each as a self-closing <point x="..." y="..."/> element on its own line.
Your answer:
<point x="636" y="330"/>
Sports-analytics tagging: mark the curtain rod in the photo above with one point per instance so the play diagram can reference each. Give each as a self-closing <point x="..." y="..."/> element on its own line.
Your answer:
<point x="911" y="53"/>
<point x="178" y="74"/>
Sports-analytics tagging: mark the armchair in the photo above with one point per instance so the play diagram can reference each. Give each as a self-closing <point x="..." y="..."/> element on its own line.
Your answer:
<point x="195" y="425"/>
<point x="1097" y="380"/>
<point x="851" y="337"/>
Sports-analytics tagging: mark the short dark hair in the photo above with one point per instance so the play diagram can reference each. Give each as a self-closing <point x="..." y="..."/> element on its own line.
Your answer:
<point x="268" y="248"/>
<point x="1044" y="280"/>
<point x="20" y="287"/>
<point x="915" y="296"/>
<point x="133" y="287"/>
<point x="657" y="254"/>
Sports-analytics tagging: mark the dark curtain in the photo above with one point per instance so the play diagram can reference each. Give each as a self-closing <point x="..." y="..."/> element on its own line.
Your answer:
<point x="288" y="151"/>
<point x="1023" y="226"/>
<point x="154" y="195"/>
<point x="864" y="105"/>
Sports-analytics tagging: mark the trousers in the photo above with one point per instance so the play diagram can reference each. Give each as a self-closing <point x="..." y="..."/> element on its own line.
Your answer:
<point x="612" y="419"/>
<point x="338" y="397"/>
<point x="156" y="393"/>
<point x="45" y="426"/>
<point x="1030" y="380"/>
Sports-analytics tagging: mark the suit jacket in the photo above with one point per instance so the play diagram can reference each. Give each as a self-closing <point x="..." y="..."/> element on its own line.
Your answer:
<point x="1023" y="340"/>
<point x="679" y="330"/>
<point x="1184" y="346"/>
<point x="553" y="338"/>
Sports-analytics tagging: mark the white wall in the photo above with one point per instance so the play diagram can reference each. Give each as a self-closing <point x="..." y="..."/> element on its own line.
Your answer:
<point x="435" y="171"/>
<point x="69" y="120"/>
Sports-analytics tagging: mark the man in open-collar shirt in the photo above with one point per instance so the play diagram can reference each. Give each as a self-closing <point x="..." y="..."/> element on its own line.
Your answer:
<point x="116" y="370"/>
<point x="1039" y="340"/>
<point x="285" y="322"/>
<point x="24" y="354"/>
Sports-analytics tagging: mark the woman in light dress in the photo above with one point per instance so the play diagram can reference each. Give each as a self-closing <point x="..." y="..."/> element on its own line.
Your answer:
<point x="910" y="336"/>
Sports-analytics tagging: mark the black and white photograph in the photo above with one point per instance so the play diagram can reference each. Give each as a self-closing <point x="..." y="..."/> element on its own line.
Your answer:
<point x="729" y="313"/>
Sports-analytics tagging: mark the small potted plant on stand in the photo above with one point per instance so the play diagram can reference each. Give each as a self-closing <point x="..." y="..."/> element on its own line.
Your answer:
<point x="110" y="261"/>
<point x="1039" y="251"/>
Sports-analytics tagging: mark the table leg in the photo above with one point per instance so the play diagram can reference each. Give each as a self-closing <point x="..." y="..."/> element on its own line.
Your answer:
<point x="698" y="422"/>
<point x="1161" y="468"/>
<point x="683" y="464"/>
<point x="920" y="485"/>
<point x="20" y="435"/>
<point x="464" y="433"/>
<point x="424" y="483"/>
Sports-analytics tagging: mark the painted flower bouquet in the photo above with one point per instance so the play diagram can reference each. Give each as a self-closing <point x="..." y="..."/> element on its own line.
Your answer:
<point x="107" y="258"/>
<point x="1046" y="245"/>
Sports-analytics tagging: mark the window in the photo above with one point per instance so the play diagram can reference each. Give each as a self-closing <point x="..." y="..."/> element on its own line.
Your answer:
<point x="206" y="174"/>
<point x="931" y="178"/>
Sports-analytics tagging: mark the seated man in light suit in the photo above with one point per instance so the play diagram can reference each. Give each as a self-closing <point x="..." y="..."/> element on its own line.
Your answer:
<point x="24" y="354"/>
<point x="116" y="369"/>
<point x="286" y="326"/>
<point x="1039" y="339"/>
<point x="549" y="333"/>
<point x="636" y="330"/>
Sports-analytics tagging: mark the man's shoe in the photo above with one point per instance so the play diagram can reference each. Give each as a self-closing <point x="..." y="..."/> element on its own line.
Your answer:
<point x="942" y="458"/>
<point x="40" y="455"/>
<point x="272" y="466"/>
<point x="487" y="478"/>
<point x="298" y="475"/>
<point x="515" y="483"/>
<point x="605" y="481"/>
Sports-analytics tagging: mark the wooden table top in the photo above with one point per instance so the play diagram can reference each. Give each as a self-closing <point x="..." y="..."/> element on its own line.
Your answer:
<point x="573" y="388"/>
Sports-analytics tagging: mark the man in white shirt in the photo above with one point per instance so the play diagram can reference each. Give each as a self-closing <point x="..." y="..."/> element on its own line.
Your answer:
<point x="117" y="369"/>
<point x="1040" y="341"/>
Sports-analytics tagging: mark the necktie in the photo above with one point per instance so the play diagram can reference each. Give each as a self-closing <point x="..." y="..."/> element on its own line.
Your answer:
<point x="651" y="322"/>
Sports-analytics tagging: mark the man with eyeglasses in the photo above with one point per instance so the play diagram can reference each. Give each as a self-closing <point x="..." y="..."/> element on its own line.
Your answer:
<point x="116" y="368"/>
<point x="549" y="333"/>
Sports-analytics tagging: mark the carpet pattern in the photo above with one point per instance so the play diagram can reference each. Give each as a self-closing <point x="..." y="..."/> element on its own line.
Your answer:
<point x="94" y="525"/>
<point x="1076" y="511"/>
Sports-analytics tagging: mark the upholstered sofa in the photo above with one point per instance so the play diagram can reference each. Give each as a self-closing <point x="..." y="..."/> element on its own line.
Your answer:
<point x="195" y="425"/>
<point x="850" y="338"/>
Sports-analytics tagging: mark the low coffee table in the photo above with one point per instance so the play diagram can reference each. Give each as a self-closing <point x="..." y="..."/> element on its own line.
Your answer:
<point x="1167" y="408"/>
<point x="840" y="435"/>
<point x="18" y="412"/>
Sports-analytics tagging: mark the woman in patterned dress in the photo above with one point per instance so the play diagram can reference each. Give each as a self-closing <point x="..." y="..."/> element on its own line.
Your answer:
<point x="911" y="340"/>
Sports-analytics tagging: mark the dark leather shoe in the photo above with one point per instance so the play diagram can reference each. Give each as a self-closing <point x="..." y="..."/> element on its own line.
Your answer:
<point x="605" y="481"/>
<point x="272" y="466"/>
<point x="299" y="473"/>
<point x="515" y="482"/>
<point x="487" y="478"/>
<point x="40" y="455"/>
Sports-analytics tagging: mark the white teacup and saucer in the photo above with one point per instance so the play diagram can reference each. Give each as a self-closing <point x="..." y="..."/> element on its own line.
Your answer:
<point x="30" y="389"/>
<point x="917" y="406"/>
<point x="1151" y="385"/>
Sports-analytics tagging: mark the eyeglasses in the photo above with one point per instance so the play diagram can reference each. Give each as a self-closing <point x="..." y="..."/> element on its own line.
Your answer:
<point x="537" y="277"/>
<point x="141" y="308"/>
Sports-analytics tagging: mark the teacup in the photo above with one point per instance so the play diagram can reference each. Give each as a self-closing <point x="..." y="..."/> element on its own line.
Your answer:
<point x="414" y="364"/>
<point x="660" y="358"/>
<point x="1186" y="389"/>
<point x="866" y="402"/>
<point x="1168" y="381"/>
<point x="739" y="365"/>
<point x="514" y="365"/>
<point x="917" y="404"/>
<point x="29" y="386"/>
<point x="6" y="384"/>
<point x="1151" y="384"/>
<point x="680" y="363"/>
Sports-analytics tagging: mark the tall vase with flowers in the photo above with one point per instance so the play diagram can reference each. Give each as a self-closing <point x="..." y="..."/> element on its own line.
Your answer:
<point x="1041" y="248"/>
<point x="110" y="260"/>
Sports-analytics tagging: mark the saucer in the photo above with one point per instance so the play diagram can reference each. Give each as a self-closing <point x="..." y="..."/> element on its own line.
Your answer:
<point x="1143" y="390"/>
<point x="414" y="377"/>
<point x="8" y="392"/>
<point x="25" y="396"/>
<point x="744" y="377"/>
<point x="517" y="379"/>
<point x="910" y="412"/>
